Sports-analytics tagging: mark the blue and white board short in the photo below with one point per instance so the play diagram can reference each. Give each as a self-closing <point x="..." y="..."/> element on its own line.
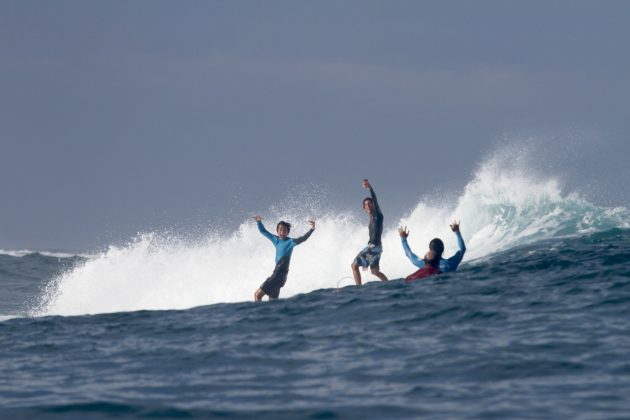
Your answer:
<point x="369" y="256"/>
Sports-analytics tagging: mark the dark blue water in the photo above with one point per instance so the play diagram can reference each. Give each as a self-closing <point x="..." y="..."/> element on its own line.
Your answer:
<point x="541" y="331"/>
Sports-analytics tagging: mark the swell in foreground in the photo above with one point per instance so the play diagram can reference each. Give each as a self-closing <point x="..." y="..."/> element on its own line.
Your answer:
<point x="539" y="330"/>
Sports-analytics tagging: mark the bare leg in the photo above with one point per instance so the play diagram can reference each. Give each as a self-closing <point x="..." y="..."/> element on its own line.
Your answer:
<point x="377" y="272"/>
<point x="356" y="274"/>
<point x="259" y="295"/>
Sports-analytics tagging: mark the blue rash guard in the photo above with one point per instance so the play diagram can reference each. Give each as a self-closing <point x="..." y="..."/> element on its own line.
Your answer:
<point x="446" y="265"/>
<point x="284" y="249"/>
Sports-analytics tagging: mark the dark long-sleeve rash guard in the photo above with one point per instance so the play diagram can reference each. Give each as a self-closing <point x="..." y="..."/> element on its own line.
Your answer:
<point x="376" y="222"/>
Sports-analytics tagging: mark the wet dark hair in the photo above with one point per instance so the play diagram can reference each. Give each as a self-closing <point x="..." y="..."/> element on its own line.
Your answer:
<point x="285" y="224"/>
<point x="437" y="245"/>
<point x="434" y="261"/>
<point x="367" y="199"/>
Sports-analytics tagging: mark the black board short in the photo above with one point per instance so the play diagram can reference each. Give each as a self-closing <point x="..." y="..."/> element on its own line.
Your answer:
<point x="274" y="283"/>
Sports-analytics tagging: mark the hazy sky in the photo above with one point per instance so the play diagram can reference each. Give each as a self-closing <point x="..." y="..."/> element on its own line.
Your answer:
<point x="123" y="116"/>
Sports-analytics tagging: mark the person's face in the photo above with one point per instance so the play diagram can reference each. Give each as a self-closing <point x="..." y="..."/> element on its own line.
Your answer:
<point x="368" y="206"/>
<point x="283" y="232"/>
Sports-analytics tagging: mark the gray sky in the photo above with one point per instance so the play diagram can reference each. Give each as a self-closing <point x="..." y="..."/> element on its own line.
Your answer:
<point x="123" y="116"/>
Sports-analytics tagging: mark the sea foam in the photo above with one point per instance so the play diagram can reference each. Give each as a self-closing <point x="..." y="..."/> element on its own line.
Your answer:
<point x="503" y="206"/>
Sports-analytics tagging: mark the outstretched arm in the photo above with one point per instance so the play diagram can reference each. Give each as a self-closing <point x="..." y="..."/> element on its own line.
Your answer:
<point x="412" y="257"/>
<point x="265" y="232"/>
<point x="453" y="262"/>
<point x="458" y="235"/>
<point x="307" y="234"/>
<point x="377" y="208"/>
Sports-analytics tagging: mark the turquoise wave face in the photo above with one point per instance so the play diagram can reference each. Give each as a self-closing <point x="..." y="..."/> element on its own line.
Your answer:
<point x="504" y="206"/>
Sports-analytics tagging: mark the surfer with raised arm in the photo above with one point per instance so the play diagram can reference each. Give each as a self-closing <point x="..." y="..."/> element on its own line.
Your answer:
<point x="436" y="249"/>
<point x="284" y="248"/>
<point x="371" y="254"/>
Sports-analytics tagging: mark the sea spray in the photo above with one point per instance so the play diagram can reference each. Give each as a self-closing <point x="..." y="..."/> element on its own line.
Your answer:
<point x="156" y="272"/>
<point x="503" y="206"/>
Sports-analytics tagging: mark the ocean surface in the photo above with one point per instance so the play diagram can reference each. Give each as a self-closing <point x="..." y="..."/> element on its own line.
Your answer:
<point x="534" y="324"/>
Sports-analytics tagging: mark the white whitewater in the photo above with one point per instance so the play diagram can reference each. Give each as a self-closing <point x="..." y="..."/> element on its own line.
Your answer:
<point x="501" y="207"/>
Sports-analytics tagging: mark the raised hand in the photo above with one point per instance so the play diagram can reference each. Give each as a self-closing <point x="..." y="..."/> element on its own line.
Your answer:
<point x="403" y="232"/>
<point x="312" y="224"/>
<point x="366" y="184"/>
<point x="257" y="218"/>
<point x="455" y="226"/>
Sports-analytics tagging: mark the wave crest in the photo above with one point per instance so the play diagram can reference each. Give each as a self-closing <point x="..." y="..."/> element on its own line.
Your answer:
<point x="504" y="205"/>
